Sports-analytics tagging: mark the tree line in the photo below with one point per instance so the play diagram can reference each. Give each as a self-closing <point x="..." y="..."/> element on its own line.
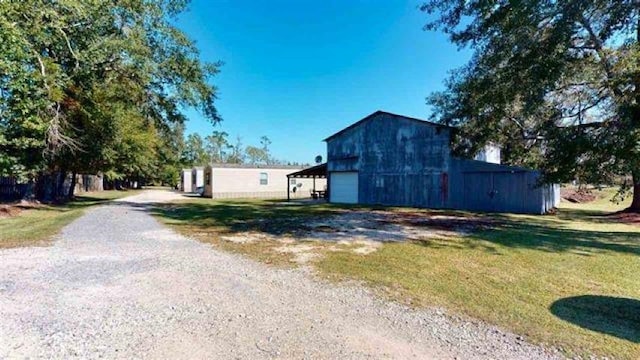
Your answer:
<point x="96" y="86"/>
<point x="217" y="148"/>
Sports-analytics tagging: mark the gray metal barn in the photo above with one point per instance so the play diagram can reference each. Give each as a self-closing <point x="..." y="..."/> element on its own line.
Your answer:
<point x="390" y="159"/>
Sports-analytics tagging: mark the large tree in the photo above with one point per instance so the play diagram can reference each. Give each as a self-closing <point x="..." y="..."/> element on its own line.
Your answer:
<point x="260" y="155"/>
<point x="236" y="153"/>
<point x="195" y="152"/>
<point x="94" y="85"/>
<point x="255" y="155"/>
<point x="217" y="146"/>
<point x="557" y="83"/>
<point x="169" y="160"/>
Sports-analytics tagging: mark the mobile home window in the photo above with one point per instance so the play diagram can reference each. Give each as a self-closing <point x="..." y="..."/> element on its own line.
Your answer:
<point x="264" y="179"/>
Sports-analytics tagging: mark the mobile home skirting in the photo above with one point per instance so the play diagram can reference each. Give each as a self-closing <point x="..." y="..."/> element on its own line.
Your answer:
<point x="250" y="195"/>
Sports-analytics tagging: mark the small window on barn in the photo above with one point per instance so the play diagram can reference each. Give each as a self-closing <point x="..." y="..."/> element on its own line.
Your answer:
<point x="264" y="179"/>
<point x="293" y="182"/>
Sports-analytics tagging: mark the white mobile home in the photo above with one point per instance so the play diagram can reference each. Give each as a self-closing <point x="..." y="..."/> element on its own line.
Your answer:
<point x="185" y="180"/>
<point x="223" y="181"/>
<point x="197" y="178"/>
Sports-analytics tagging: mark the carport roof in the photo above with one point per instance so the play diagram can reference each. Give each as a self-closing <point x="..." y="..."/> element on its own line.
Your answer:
<point x="318" y="171"/>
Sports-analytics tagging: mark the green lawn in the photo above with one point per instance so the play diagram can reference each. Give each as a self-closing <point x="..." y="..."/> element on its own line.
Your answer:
<point x="38" y="225"/>
<point x="570" y="280"/>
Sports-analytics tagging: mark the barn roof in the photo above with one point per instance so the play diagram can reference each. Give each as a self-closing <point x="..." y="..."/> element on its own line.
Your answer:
<point x="380" y="112"/>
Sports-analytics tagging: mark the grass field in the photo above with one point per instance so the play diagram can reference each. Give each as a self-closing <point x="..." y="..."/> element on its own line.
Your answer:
<point x="37" y="225"/>
<point x="570" y="280"/>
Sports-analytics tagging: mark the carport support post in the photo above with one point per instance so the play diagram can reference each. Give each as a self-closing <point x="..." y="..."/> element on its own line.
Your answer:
<point x="288" y="189"/>
<point x="314" y="183"/>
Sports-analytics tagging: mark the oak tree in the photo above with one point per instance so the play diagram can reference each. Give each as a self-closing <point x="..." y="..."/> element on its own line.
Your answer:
<point x="94" y="85"/>
<point x="557" y="83"/>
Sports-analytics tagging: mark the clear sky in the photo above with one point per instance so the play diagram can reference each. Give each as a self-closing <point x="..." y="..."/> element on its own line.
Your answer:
<point x="299" y="71"/>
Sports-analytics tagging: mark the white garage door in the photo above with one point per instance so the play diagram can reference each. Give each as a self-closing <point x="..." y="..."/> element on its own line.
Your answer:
<point x="344" y="187"/>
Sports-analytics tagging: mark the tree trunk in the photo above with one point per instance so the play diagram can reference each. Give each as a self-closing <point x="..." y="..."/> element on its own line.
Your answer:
<point x="60" y="194"/>
<point x="39" y="188"/>
<point x="72" y="188"/>
<point x="635" y="204"/>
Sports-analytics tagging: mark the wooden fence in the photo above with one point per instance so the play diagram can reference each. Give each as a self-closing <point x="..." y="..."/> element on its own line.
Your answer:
<point x="11" y="189"/>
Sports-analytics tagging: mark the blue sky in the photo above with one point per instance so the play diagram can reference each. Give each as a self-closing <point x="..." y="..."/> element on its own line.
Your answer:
<point x="299" y="71"/>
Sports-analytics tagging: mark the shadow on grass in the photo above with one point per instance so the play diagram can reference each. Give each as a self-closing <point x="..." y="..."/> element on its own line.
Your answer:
<point x="553" y="239"/>
<point x="615" y="316"/>
<point x="547" y="239"/>
<point x="548" y="234"/>
<point x="544" y="233"/>
<point x="270" y="217"/>
<point x="590" y="215"/>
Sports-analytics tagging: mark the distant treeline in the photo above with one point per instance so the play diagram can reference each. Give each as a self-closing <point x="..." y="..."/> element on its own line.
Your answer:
<point x="216" y="148"/>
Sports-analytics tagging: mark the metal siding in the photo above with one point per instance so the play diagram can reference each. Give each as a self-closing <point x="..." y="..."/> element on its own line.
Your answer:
<point x="508" y="192"/>
<point x="496" y="189"/>
<point x="407" y="156"/>
<point x="490" y="153"/>
<point x="476" y="189"/>
<point x="403" y="162"/>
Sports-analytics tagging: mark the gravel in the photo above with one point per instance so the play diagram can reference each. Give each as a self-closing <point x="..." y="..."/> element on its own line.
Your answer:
<point x="118" y="284"/>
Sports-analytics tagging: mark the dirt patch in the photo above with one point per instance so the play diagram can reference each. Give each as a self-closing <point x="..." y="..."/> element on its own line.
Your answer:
<point x="246" y="237"/>
<point x="390" y="226"/>
<point x="365" y="247"/>
<point x="578" y="196"/>
<point x="302" y="254"/>
<point x="9" y="211"/>
<point x="441" y="222"/>
<point x="361" y="232"/>
<point x="14" y="209"/>
<point x="625" y="218"/>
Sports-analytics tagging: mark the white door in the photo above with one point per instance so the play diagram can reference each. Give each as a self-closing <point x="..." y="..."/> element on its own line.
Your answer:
<point x="344" y="187"/>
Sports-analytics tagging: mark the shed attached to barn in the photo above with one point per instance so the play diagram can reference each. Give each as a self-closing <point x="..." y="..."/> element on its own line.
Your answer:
<point x="223" y="181"/>
<point x="390" y="159"/>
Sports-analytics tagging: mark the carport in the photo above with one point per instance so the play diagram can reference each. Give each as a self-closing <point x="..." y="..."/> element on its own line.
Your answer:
<point x="314" y="172"/>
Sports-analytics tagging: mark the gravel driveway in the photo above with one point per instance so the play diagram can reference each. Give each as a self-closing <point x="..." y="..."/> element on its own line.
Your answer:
<point x="118" y="284"/>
